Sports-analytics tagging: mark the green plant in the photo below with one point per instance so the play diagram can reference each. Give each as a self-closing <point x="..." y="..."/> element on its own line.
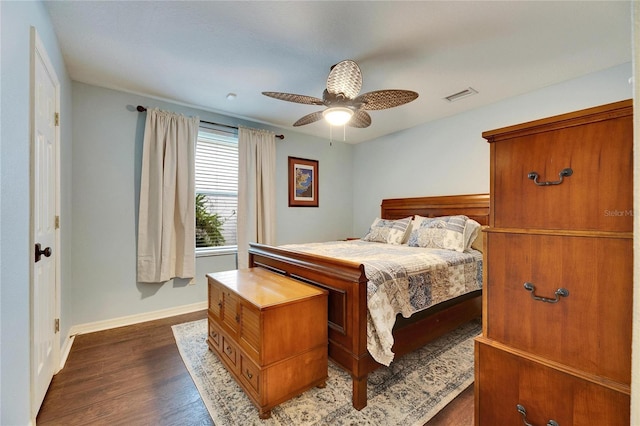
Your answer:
<point x="207" y="225"/>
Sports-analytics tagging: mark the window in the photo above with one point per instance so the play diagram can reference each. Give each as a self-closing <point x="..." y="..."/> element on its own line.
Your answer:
<point x="216" y="189"/>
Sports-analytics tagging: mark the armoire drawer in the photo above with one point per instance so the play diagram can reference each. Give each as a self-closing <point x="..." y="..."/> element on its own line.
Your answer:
<point x="597" y="195"/>
<point x="589" y="327"/>
<point x="510" y="386"/>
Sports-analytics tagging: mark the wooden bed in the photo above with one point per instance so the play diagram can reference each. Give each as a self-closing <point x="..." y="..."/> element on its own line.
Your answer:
<point x="346" y="284"/>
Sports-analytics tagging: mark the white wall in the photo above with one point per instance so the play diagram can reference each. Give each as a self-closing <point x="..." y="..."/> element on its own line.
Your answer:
<point x="107" y="151"/>
<point x="16" y="251"/>
<point x="449" y="156"/>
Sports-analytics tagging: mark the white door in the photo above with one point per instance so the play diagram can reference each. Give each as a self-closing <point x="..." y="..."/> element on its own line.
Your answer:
<point x="44" y="172"/>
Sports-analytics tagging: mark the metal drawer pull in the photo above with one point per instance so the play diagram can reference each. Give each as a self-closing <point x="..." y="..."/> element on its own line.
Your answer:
<point x="563" y="173"/>
<point x="523" y="411"/>
<point x="249" y="375"/>
<point x="561" y="292"/>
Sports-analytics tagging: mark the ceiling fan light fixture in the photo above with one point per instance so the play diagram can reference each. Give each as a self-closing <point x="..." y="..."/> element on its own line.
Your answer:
<point x="344" y="105"/>
<point x="337" y="116"/>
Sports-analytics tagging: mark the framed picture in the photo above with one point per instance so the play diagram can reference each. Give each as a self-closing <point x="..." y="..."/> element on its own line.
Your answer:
<point x="303" y="182"/>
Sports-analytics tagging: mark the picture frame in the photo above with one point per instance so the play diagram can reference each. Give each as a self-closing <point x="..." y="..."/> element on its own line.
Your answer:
<point x="303" y="182"/>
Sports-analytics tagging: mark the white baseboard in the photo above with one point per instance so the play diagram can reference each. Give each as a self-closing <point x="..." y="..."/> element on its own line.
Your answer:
<point x="64" y="353"/>
<point x="123" y="321"/>
<point x="135" y="319"/>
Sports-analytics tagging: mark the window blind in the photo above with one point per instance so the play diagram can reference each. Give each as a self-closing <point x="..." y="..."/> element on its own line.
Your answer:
<point x="217" y="177"/>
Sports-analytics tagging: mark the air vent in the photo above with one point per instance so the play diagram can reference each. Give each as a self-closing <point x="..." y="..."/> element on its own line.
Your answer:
<point x="462" y="94"/>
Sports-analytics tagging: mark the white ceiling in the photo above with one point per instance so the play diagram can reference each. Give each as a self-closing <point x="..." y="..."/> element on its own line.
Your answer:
<point x="196" y="52"/>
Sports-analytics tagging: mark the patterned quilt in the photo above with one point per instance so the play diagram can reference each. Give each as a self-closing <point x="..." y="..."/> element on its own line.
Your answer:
<point x="403" y="280"/>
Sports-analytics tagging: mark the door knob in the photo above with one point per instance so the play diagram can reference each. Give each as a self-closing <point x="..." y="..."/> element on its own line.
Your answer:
<point x="39" y="252"/>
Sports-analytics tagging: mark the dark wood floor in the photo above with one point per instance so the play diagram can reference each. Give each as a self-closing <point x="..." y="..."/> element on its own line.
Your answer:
<point x="135" y="376"/>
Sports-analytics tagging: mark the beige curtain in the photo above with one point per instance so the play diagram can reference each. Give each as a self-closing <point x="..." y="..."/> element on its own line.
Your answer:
<point x="256" y="190"/>
<point x="166" y="220"/>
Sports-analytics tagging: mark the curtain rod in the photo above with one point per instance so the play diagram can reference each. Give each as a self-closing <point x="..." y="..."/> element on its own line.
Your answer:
<point x="140" y="108"/>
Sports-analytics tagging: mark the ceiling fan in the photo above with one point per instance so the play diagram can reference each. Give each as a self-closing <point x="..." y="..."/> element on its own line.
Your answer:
<point x="344" y="105"/>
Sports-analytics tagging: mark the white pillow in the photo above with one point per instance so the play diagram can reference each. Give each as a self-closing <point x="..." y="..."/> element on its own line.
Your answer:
<point x="471" y="229"/>
<point x="477" y="243"/>
<point x="388" y="231"/>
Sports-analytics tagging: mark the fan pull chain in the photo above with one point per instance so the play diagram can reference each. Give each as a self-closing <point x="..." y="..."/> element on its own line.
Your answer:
<point x="344" y="134"/>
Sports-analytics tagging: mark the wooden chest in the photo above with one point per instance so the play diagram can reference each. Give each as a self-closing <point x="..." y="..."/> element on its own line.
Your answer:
<point x="270" y="332"/>
<point x="556" y="343"/>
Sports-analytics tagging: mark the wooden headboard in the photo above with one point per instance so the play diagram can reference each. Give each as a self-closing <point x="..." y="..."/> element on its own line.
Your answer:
<point x="474" y="206"/>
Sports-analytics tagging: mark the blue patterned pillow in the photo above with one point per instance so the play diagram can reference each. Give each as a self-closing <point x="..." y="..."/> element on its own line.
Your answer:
<point x="446" y="232"/>
<point x="388" y="231"/>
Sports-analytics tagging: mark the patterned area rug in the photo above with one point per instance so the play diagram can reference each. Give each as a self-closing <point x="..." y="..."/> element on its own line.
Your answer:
<point x="409" y="392"/>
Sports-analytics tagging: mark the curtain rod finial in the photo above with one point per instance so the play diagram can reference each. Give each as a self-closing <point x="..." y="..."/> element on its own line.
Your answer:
<point x="140" y="108"/>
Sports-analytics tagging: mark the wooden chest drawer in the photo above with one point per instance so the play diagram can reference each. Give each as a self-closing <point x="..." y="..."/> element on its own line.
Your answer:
<point x="229" y="350"/>
<point x="214" y="337"/>
<point x="250" y="372"/>
<point x="588" y="329"/>
<point x="510" y="386"/>
<point x="597" y="195"/>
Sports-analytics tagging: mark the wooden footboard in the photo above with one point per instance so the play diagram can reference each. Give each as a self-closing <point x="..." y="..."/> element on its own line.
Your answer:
<point x="347" y="286"/>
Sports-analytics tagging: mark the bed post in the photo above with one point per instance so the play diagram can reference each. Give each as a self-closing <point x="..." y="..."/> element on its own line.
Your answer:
<point x="359" y="398"/>
<point x="362" y="361"/>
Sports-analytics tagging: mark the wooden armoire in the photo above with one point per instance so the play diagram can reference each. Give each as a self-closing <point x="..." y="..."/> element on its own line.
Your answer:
<point x="557" y="300"/>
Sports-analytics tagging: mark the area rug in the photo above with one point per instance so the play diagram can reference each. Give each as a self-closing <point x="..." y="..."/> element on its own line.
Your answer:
<point x="409" y="392"/>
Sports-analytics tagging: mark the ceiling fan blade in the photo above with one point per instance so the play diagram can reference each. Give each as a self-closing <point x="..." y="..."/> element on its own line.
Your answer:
<point x="383" y="99"/>
<point x="360" y="119"/>
<point x="345" y="77"/>
<point x="308" y="119"/>
<point x="290" y="97"/>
